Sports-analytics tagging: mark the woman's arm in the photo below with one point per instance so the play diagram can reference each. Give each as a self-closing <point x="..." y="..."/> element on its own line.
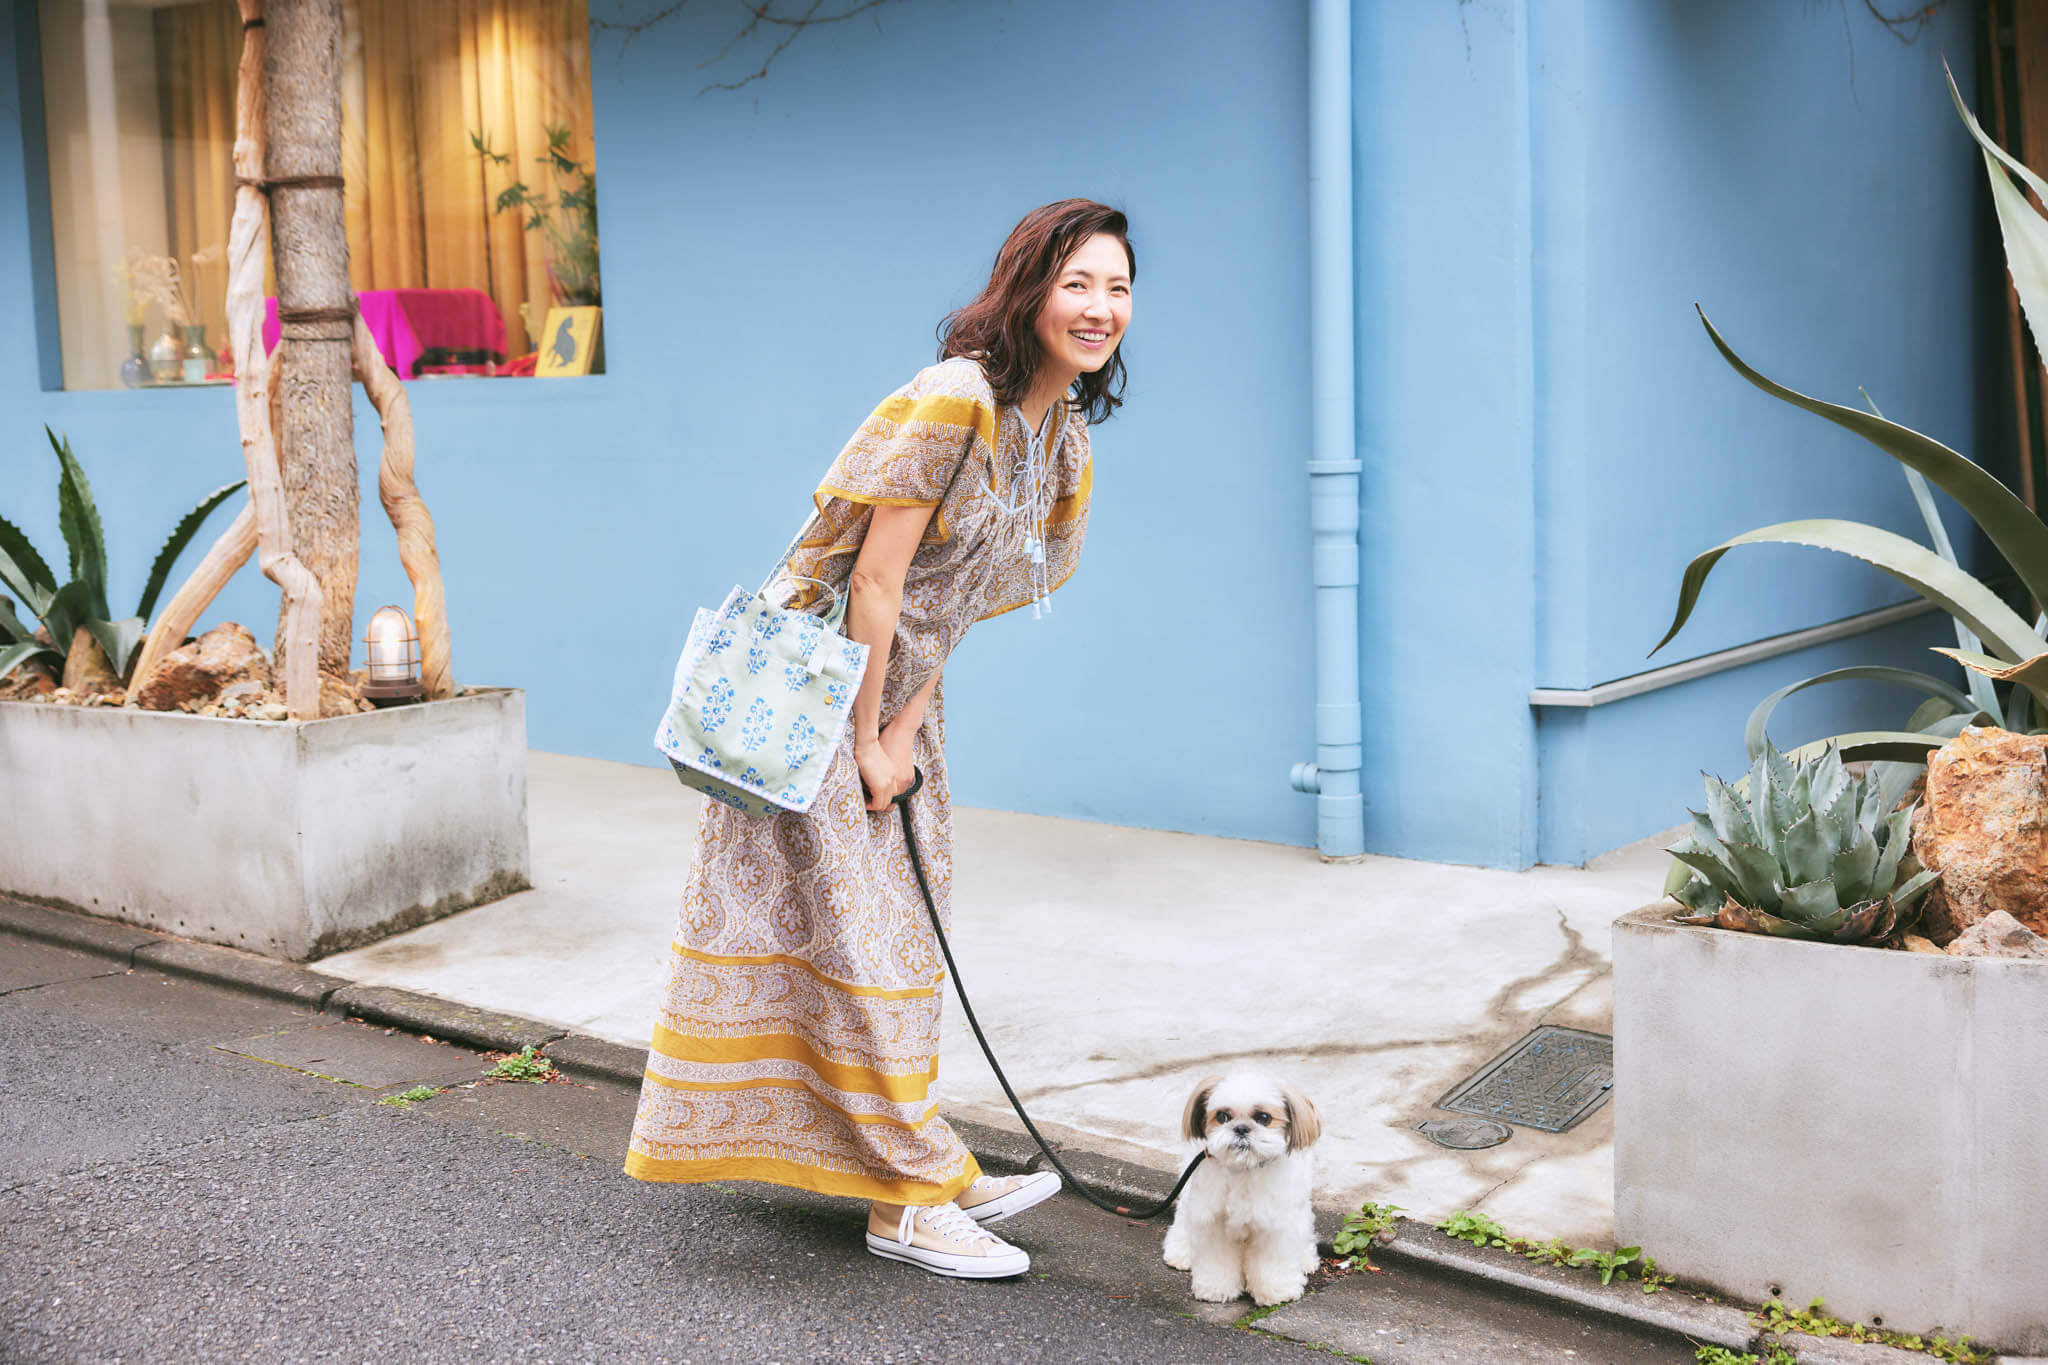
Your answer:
<point x="900" y="734"/>
<point x="874" y="601"/>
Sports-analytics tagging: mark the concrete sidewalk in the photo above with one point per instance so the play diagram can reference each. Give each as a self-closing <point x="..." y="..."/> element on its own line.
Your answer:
<point x="1115" y="967"/>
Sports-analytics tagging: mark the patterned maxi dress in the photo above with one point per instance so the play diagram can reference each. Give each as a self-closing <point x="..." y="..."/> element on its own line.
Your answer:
<point x="798" y="1037"/>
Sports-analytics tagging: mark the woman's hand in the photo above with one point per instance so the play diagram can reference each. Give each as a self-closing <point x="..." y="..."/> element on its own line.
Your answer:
<point x="885" y="769"/>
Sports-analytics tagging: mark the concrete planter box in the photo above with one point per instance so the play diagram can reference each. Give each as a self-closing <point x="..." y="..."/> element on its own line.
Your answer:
<point x="295" y="839"/>
<point x="1855" y="1124"/>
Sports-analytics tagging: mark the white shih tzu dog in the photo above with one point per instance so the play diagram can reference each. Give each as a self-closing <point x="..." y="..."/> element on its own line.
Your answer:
<point x="1244" y="1220"/>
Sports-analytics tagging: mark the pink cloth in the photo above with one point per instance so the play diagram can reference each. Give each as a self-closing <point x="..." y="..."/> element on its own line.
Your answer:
<point x="405" y="322"/>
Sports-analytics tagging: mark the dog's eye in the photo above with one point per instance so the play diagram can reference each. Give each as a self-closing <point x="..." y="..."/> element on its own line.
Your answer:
<point x="1262" y="1118"/>
<point x="1220" y="1116"/>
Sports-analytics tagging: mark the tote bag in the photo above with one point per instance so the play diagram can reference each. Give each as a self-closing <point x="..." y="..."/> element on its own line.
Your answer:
<point x="761" y="696"/>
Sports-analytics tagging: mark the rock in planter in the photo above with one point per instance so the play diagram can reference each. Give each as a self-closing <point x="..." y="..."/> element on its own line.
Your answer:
<point x="1984" y="826"/>
<point x="33" y="678"/>
<point x="194" y="675"/>
<point x="1999" y="935"/>
<point x="86" y="670"/>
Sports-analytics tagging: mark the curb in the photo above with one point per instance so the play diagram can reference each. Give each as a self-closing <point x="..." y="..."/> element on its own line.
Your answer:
<point x="1419" y="1245"/>
<point x="296" y="984"/>
<point x="999" y="1149"/>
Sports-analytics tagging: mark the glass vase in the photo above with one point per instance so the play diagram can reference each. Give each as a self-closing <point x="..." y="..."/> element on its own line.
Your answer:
<point x="166" y="359"/>
<point x="197" y="360"/>
<point x="134" y="370"/>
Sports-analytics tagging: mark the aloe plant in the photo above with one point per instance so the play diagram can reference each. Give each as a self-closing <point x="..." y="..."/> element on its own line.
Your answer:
<point x="82" y="600"/>
<point x="1804" y="848"/>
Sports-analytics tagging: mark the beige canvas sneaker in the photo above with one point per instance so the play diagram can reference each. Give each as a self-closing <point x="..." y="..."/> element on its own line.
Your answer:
<point x="946" y="1241"/>
<point x="992" y="1198"/>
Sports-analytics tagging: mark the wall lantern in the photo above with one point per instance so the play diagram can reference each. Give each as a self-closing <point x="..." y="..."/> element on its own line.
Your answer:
<point x="394" y="658"/>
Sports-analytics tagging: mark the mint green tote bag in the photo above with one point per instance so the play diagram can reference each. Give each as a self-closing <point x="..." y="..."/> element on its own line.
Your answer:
<point x="761" y="696"/>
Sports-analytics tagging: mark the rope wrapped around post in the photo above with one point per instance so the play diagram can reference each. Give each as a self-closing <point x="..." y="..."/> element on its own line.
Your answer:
<point x="408" y="512"/>
<point x="246" y="240"/>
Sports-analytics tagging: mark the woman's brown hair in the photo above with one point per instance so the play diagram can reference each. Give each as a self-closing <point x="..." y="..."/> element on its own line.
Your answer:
<point x="999" y="328"/>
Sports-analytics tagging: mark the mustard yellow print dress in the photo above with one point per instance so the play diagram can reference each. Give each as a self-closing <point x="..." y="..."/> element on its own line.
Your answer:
<point x="798" y="1038"/>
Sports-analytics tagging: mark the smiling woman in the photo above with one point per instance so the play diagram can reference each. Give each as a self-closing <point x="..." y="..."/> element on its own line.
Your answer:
<point x="798" y="1036"/>
<point x="446" y="110"/>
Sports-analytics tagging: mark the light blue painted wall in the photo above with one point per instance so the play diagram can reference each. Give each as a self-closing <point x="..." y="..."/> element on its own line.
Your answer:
<point x="1444" y="396"/>
<point x="779" y="256"/>
<point x="1800" y="173"/>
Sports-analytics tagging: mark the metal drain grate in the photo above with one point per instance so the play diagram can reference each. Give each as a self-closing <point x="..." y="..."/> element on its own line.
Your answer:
<point x="1550" y="1080"/>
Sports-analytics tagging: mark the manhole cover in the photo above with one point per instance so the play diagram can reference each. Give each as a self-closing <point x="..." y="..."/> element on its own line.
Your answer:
<point x="1465" y="1135"/>
<point x="1550" y="1080"/>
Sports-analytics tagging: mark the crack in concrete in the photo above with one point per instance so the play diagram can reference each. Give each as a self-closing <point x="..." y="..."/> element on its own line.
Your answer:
<point x="45" y="985"/>
<point x="1575" y="957"/>
<point x="1510" y="1178"/>
<point x="1583" y="987"/>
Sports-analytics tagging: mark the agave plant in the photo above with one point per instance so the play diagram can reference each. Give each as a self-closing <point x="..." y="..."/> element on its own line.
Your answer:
<point x="1802" y="848"/>
<point x="1999" y="648"/>
<point x="81" y="601"/>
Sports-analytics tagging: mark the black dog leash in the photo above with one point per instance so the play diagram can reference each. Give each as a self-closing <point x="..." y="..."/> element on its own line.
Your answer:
<point x="902" y="802"/>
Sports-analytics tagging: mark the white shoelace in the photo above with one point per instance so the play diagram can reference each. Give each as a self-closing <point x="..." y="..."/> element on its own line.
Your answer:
<point x="947" y="1220"/>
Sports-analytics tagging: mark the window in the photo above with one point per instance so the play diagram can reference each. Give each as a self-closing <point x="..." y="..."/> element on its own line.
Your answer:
<point x="467" y="152"/>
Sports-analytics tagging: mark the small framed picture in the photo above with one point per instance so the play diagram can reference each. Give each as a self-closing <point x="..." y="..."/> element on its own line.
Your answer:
<point x="571" y="342"/>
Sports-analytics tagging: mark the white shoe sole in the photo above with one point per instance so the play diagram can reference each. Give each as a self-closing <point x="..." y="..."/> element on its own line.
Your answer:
<point x="1001" y="1266"/>
<point x="1038" y="1187"/>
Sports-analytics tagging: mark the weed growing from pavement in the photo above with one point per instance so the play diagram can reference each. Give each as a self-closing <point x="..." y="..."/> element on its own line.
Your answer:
<point x="523" y="1065"/>
<point x="413" y="1096"/>
<point x="1813" y="1321"/>
<point x="1622" y="1263"/>
<point x="1475" y="1228"/>
<point x="1372" y="1224"/>
<point x="1773" y="1318"/>
<point x="1721" y="1355"/>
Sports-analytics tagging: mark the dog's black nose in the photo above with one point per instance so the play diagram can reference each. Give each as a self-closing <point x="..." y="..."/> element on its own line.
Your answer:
<point x="1242" y="1129"/>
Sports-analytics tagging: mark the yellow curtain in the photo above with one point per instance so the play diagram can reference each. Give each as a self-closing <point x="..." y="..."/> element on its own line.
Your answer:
<point x="197" y="49"/>
<point x="417" y="80"/>
<point x="421" y="199"/>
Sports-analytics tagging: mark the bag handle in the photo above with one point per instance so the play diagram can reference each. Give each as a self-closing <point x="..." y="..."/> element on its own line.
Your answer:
<point x="838" y="611"/>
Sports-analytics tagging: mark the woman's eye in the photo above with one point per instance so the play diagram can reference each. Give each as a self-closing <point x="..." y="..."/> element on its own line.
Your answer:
<point x="1262" y="1118"/>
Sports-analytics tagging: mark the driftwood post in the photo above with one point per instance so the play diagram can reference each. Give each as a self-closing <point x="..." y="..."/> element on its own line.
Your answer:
<point x="408" y="513"/>
<point x="316" y="437"/>
<point x="298" y="629"/>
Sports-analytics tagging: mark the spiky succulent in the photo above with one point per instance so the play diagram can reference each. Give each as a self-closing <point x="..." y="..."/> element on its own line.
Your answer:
<point x="1802" y="849"/>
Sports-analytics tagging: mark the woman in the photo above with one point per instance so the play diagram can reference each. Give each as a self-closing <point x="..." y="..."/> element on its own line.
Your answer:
<point x="799" y="1031"/>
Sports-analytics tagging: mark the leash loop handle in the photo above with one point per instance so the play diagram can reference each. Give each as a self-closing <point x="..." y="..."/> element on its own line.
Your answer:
<point x="902" y="801"/>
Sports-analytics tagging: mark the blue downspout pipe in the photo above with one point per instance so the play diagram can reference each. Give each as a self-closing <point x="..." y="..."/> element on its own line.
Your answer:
<point x="1333" y="465"/>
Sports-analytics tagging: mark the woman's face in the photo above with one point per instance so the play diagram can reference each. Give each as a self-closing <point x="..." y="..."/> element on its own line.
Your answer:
<point x="1084" y="316"/>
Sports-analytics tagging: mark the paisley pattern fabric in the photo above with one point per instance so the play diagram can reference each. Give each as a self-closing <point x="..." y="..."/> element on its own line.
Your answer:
<point x="798" y="1036"/>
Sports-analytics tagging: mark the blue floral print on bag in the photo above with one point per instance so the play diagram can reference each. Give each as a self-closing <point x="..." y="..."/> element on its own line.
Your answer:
<point x="792" y="688"/>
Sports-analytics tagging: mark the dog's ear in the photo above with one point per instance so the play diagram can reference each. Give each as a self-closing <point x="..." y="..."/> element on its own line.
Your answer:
<point x="1195" y="1117"/>
<point x="1304" y="1122"/>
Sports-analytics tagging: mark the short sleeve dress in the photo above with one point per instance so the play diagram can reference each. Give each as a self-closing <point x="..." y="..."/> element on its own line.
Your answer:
<point x="798" y="1036"/>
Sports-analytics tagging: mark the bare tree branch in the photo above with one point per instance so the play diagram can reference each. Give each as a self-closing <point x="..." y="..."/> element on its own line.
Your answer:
<point x="760" y="13"/>
<point x="1908" y="26"/>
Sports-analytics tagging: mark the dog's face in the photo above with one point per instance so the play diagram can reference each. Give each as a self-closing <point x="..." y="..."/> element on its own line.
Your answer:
<point x="1247" y="1120"/>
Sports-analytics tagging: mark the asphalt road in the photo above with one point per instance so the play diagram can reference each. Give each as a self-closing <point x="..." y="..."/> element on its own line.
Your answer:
<point x="193" y="1174"/>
